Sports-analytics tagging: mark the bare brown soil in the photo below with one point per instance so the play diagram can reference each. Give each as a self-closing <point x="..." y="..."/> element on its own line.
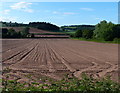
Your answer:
<point x="56" y="57"/>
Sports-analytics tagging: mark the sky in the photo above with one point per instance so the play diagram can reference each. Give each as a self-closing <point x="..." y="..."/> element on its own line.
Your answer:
<point x="59" y="13"/>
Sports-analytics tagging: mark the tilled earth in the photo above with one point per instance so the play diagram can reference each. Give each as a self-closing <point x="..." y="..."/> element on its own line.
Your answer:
<point x="54" y="58"/>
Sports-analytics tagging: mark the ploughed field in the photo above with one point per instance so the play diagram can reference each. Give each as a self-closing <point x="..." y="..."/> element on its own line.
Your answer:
<point x="54" y="58"/>
<point x="33" y="30"/>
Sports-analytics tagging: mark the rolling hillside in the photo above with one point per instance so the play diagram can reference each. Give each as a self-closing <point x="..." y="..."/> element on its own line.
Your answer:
<point x="39" y="32"/>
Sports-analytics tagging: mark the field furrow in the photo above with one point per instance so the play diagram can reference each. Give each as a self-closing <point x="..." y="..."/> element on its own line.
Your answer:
<point x="56" y="57"/>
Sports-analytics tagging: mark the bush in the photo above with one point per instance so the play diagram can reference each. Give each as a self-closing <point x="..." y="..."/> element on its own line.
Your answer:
<point x="25" y="32"/>
<point x="116" y="40"/>
<point x="87" y="34"/>
<point x="116" y="30"/>
<point x="108" y="35"/>
<point x="78" y="33"/>
<point x="32" y="36"/>
<point x="4" y="32"/>
<point x="72" y="35"/>
<point x="107" y="31"/>
<point x="12" y="33"/>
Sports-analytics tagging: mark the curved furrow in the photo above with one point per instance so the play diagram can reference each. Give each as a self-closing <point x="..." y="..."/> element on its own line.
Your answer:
<point x="96" y="67"/>
<point x="60" y="64"/>
<point x="49" y="60"/>
<point x="113" y="67"/>
<point x="60" y="51"/>
<point x="63" y="61"/>
<point x="53" y="58"/>
<point x="19" y="55"/>
<point x="24" y="56"/>
<point x="14" y="52"/>
<point x="80" y="72"/>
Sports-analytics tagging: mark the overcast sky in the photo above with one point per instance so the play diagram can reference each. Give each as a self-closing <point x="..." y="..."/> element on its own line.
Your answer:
<point x="59" y="13"/>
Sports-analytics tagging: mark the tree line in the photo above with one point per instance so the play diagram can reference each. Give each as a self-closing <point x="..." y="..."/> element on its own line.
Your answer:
<point x="11" y="33"/>
<point x="39" y="25"/>
<point x="104" y="30"/>
<point x="44" y="26"/>
<point x="12" y="24"/>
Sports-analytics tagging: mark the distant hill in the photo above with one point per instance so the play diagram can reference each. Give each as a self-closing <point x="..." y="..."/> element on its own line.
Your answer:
<point x="38" y="25"/>
<point x="44" y="28"/>
<point x="77" y="27"/>
<point x="40" y="33"/>
<point x="34" y="30"/>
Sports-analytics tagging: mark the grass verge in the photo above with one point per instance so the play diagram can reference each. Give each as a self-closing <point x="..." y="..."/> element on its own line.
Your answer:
<point x="66" y="85"/>
<point x="115" y="41"/>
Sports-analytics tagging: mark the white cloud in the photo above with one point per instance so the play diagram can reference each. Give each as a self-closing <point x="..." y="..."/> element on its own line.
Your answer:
<point x="87" y="9"/>
<point x="20" y="5"/>
<point x="6" y="11"/>
<point x="23" y="6"/>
